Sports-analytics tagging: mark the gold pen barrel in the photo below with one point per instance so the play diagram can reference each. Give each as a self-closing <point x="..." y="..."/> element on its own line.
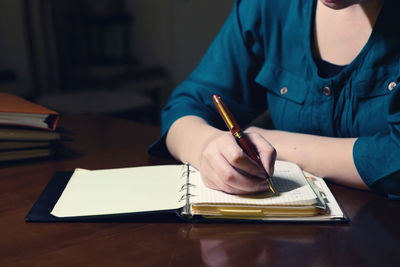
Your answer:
<point x="225" y="114"/>
<point x="240" y="137"/>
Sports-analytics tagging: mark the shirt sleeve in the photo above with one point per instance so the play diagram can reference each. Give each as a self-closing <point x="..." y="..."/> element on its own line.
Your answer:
<point x="228" y="68"/>
<point x="377" y="157"/>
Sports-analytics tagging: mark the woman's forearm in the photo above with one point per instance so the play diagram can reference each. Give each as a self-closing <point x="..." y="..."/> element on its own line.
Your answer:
<point x="187" y="137"/>
<point x="328" y="157"/>
<point x="331" y="158"/>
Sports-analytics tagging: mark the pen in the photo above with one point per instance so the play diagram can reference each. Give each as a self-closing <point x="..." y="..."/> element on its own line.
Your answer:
<point x="239" y="135"/>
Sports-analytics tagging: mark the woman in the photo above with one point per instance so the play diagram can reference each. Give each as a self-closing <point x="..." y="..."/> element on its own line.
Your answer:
<point x="326" y="70"/>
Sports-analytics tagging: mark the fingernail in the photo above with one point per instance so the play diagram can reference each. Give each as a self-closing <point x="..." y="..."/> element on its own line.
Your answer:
<point x="271" y="168"/>
<point x="264" y="174"/>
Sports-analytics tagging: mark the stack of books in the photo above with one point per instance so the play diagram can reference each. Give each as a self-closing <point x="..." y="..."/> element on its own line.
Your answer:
<point x="27" y="130"/>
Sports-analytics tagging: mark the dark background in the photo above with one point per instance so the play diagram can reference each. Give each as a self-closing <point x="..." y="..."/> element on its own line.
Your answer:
<point x="121" y="57"/>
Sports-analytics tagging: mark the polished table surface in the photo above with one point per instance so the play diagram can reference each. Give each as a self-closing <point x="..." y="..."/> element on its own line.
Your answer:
<point x="371" y="238"/>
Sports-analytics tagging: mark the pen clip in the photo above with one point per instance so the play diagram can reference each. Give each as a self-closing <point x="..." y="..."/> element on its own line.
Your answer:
<point x="226" y="115"/>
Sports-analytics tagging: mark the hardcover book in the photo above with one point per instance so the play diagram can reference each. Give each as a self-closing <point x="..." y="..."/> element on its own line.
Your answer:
<point x="15" y="110"/>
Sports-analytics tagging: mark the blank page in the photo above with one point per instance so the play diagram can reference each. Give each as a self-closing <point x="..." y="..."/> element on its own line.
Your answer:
<point x="288" y="180"/>
<point x="123" y="190"/>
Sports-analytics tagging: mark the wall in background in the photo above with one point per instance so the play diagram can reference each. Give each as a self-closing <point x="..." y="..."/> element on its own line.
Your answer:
<point x="176" y="33"/>
<point x="13" y="49"/>
<point x="195" y="24"/>
<point x="170" y="33"/>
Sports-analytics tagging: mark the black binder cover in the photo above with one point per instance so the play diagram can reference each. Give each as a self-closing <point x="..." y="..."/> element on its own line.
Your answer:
<point x="40" y="211"/>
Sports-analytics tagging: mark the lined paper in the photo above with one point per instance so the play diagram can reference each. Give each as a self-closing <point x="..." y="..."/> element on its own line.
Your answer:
<point x="288" y="180"/>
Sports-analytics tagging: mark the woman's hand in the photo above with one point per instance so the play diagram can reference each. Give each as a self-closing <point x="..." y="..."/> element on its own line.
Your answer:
<point x="222" y="163"/>
<point x="225" y="166"/>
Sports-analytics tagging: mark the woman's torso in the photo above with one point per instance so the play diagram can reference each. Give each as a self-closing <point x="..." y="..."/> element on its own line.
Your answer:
<point x="353" y="102"/>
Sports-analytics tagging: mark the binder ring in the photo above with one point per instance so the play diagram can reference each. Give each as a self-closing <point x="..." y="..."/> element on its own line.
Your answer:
<point x="187" y="171"/>
<point x="185" y="197"/>
<point x="186" y="187"/>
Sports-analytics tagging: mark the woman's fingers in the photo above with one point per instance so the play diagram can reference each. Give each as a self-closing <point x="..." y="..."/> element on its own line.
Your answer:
<point x="224" y="165"/>
<point x="223" y="176"/>
<point x="265" y="150"/>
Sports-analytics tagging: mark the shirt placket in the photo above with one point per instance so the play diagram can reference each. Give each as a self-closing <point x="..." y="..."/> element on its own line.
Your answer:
<point x="323" y="108"/>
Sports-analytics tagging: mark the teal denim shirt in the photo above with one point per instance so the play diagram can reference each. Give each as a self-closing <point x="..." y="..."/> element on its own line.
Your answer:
<point x="262" y="59"/>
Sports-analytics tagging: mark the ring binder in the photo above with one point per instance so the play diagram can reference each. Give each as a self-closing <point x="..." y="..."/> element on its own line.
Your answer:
<point x="180" y="190"/>
<point x="186" y="186"/>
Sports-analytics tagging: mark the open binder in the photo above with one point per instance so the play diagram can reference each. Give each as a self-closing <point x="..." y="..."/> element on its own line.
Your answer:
<point x="104" y="195"/>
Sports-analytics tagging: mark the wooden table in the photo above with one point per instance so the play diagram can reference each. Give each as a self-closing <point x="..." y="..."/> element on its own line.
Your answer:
<point x="372" y="238"/>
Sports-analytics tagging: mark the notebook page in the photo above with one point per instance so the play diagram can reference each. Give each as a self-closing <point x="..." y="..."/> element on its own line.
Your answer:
<point x="123" y="190"/>
<point x="288" y="180"/>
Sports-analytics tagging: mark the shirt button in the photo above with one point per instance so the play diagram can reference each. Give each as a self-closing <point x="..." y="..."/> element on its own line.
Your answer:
<point x="327" y="91"/>
<point x="284" y="90"/>
<point x="391" y="86"/>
